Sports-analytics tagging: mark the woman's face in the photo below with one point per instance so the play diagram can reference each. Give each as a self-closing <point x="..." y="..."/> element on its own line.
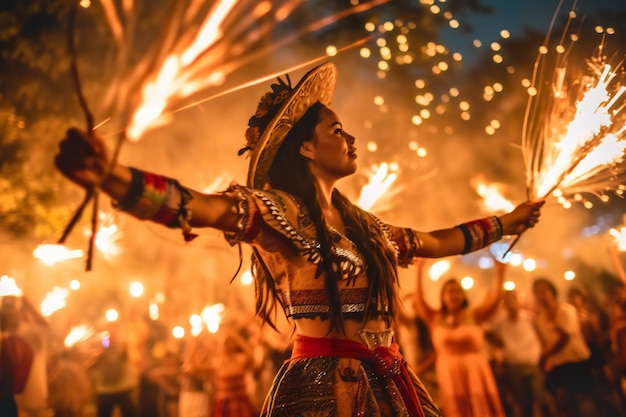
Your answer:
<point x="453" y="297"/>
<point x="332" y="150"/>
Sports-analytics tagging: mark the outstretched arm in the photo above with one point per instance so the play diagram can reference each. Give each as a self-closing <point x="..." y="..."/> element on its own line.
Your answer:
<point x="489" y="306"/>
<point x="85" y="160"/>
<point x="422" y="308"/>
<point x="474" y="235"/>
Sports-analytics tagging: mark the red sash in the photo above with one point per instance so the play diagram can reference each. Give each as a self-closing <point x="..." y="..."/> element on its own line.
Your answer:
<point x="387" y="361"/>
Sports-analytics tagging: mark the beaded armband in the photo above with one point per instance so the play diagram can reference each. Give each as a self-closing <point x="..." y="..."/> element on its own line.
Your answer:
<point x="480" y="233"/>
<point x="160" y="199"/>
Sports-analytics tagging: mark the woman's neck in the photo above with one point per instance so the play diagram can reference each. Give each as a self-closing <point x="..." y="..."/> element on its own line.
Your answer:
<point x="325" y="193"/>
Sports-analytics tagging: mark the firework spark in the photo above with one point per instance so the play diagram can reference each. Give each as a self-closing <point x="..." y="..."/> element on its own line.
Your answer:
<point x="378" y="186"/>
<point x="493" y="200"/>
<point x="578" y="145"/>
<point x="52" y="254"/>
<point x="108" y="236"/>
<point x="201" y="45"/>
<point x="8" y="287"/>
<point x="620" y="238"/>
<point x="54" y="301"/>
<point x="574" y="138"/>
<point x="78" y="334"/>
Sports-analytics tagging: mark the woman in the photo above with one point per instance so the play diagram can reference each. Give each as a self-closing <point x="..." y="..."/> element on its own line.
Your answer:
<point x="235" y="361"/>
<point x="329" y="264"/>
<point x="466" y="382"/>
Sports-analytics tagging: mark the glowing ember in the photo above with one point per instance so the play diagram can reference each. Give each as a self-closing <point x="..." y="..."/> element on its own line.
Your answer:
<point x="78" y="334"/>
<point x="620" y="238"/>
<point x="378" y="185"/>
<point x="54" y="301"/>
<point x="8" y="287"/>
<point x="51" y="254"/>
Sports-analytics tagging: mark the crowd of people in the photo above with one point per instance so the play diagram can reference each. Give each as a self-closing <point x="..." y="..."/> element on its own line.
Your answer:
<point x="546" y="355"/>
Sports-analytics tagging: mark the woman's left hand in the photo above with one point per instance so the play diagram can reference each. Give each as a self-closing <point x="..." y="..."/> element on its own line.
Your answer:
<point x="523" y="217"/>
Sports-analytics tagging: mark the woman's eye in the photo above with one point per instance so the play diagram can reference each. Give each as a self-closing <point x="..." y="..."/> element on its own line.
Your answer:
<point x="338" y="131"/>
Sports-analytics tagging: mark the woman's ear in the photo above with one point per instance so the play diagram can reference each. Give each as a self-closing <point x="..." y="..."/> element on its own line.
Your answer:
<point x="306" y="149"/>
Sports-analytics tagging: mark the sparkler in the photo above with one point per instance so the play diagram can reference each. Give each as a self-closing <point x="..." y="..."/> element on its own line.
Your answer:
<point x="189" y="59"/>
<point x="574" y="138"/>
<point x="52" y="254"/>
<point x="379" y="184"/>
<point x="108" y="236"/>
<point x="78" y="334"/>
<point x="493" y="199"/>
<point x="54" y="301"/>
<point x="8" y="287"/>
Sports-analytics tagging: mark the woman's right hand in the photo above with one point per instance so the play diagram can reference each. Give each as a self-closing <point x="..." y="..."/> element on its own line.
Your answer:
<point x="83" y="158"/>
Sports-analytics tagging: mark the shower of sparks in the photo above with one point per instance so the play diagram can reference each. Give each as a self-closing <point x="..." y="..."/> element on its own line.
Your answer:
<point x="493" y="200"/>
<point x="379" y="185"/>
<point x="578" y="144"/>
<point x="8" y="287"/>
<point x="52" y="254"/>
<point x="108" y="237"/>
<point x="202" y="44"/>
<point x="54" y="301"/>
<point x="78" y="334"/>
<point x="620" y="238"/>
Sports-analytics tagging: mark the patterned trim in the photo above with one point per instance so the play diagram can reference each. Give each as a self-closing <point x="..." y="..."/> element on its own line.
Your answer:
<point x="306" y="303"/>
<point x="244" y="208"/>
<point x="480" y="233"/>
<point x="348" y="262"/>
<point x="388" y="235"/>
<point x="408" y="244"/>
<point x="135" y="191"/>
<point x="298" y="312"/>
<point x="160" y="199"/>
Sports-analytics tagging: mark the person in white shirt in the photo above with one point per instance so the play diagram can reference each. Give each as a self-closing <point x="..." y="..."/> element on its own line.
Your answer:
<point x="515" y="334"/>
<point x="565" y="354"/>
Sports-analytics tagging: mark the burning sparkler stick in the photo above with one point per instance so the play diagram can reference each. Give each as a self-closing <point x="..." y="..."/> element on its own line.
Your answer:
<point x="92" y="193"/>
<point x="579" y="145"/>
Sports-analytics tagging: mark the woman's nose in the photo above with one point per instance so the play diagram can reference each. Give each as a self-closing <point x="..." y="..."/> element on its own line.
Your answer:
<point x="349" y="138"/>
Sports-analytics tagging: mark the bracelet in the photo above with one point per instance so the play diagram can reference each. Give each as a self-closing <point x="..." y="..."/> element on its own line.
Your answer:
<point x="135" y="191"/>
<point x="160" y="199"/>
<point x="480" y="233"/>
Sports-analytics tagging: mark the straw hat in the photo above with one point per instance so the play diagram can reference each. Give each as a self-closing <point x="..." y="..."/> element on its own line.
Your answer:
<point x="277" y="112"/>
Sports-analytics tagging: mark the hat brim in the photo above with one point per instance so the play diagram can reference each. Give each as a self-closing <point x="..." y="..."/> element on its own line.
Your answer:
<point x="316" y="85"/>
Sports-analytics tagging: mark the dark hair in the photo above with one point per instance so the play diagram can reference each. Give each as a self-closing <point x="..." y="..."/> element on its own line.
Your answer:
<point x="577" y="291"/>
<point x="451" y="281"/>
<point x="547" y="283"/>
<point x="290" y="172"/>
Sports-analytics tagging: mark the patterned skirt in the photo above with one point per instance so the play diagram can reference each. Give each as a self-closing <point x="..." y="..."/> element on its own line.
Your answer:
<point x="346" y="383"/>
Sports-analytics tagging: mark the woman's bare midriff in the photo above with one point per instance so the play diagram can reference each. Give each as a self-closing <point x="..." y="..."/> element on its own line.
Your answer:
<point x="319" y="328"/>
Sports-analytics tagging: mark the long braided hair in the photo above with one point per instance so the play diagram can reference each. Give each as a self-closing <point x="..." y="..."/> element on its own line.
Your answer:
<point x="290" y="172"/>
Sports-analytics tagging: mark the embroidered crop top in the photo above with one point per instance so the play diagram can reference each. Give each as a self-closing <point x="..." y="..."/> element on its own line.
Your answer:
<point x="279" y="227"/>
